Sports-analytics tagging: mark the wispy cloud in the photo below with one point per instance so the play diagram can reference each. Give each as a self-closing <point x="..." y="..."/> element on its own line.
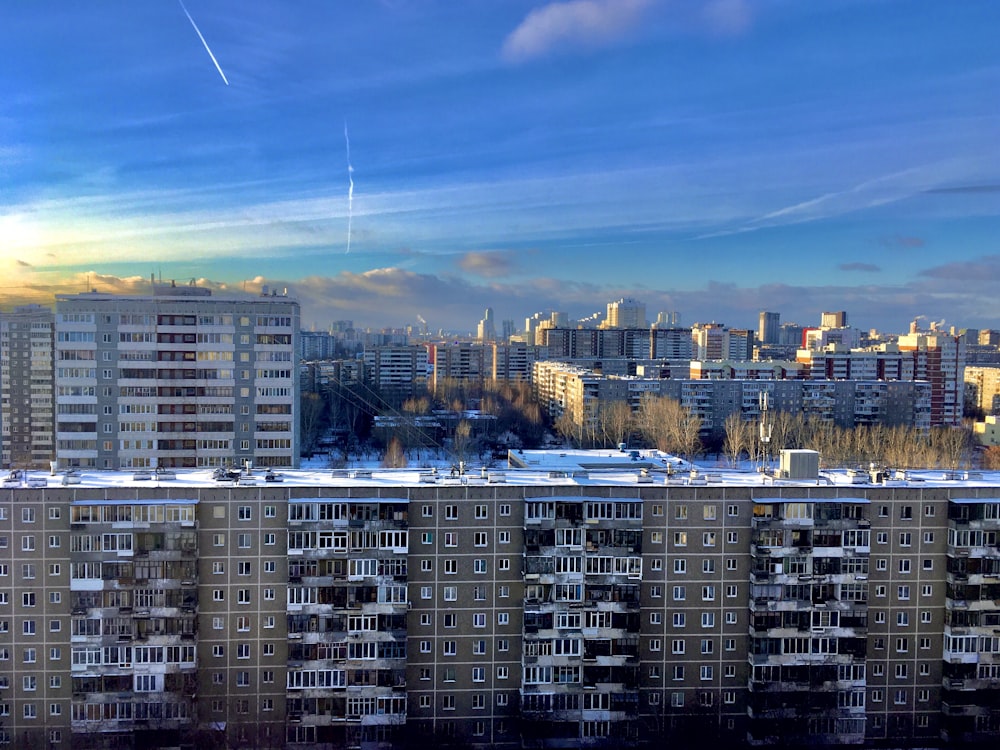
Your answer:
<point x="866" y="267"/>
<point x="567" y="25"/>
<point x="489" y="263"/>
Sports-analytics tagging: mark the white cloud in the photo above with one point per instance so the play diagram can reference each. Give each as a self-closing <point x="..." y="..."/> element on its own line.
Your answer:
<point x="569" y="24"/>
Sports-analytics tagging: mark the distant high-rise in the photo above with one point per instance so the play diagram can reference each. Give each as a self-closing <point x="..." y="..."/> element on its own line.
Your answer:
<point x="26" y="386"/>
<point x="487" y="327"/>
<point x="833" y="319"/>
<point x="626" y="313"/>
<point x="769" y="328"/>
<point x="667" y="319"/>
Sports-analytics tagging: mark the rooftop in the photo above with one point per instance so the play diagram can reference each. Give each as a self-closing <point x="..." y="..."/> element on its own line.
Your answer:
<point x="583" y="468"/>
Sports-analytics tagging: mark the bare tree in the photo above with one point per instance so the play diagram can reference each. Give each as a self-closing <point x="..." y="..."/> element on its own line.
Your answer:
<point x="615" y="421"/>
<point x="738" y="437"/>
<point x="395" y="455"/>
<point x="462" y="439"/>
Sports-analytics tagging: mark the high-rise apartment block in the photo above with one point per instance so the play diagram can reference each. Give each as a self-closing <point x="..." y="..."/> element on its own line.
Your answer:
<point x="717" y="341"/>
<point x="626" y="313"/>
<point x="600" y="602"/>
<point x="769" y="328"/>
<point x="27" y="393"/>
<point x="178" y="378"/>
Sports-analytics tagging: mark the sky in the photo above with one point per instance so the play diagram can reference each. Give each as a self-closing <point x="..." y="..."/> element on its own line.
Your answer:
<point x="385" y="160"/>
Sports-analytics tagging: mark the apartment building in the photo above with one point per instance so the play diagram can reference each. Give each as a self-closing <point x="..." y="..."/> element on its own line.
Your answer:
<point x="178" y="378"/>
<point x="563" y="388"/>
<point x="396" y="369"/>
<point x="593" y="599"/>
<point x="27" y="400"/>
<point x="982" y="388"/>
<point x="514" y="360"/>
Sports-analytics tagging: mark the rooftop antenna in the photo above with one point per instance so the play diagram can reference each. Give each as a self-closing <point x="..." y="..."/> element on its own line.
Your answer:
<point x="765" y="432"/>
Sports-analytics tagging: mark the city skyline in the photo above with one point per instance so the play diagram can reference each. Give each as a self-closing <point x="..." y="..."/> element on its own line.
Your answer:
<point x="715" y="158"/>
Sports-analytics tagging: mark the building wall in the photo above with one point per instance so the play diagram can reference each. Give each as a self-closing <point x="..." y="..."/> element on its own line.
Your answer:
<point x="177" y="381"/>
<point x="27" y="403"/>
<point x="569" y="613"/>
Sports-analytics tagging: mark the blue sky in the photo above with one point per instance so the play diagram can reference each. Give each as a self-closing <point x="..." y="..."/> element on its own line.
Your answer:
<point x="713" y="157"/>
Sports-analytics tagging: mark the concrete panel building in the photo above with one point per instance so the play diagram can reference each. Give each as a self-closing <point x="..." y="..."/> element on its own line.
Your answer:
<point x="27" y="391"/>
<point x="588" y="600"/>
<point x="178" y="378"/>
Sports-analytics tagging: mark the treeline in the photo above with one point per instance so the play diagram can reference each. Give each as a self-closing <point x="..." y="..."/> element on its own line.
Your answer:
<point x="663" y="423"/>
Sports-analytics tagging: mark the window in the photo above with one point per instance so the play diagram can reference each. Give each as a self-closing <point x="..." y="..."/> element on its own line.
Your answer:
<point x="708" y="539"/>
<point x="928" y="537"/>
<point x="680" y="539"/>
<point x="482" y="512"/>
<point x="904" y="566"/>
<point x="244" y="541"/>
<point x="656" y="564"/>
<point x="243" y="596"/>
<point x="503" y="537"/>
<point x="269" y="539"/>
<point x="732" y="537"/>
<point x="656" y="537"/>
<point x="708" y="565"/>
<point x="656" y="592"/>
<point x="270" y="511"/>
<point x="269" y="595"/>
<point x="242" y="650"/>
<point x="450" y="593"/>
<point x="680" y="565"/>
<point x="732" y="591"/>
<point x="218" y="595"/>
<point x="708" y="593"/>
<point x="676" y="645"/>
<point x="882" y="537"/>
<point x="705" y="672"/>
<point x="244" y="568"/>
<point x="707" y="646"/>
<point x="479" y="674"/>
<point x="449" y="648"/>
<point x="451" y="512"/>
<point x="680" y="593"/>
<point x="269" y="566"/>
<point x="655" y="618"/>
<point x="450" y="566"/>
<point x="53" y="541"/>
<point x="245" y="513"/>
<point x="503" y="618"/>
<point x="27" y="543"/>
<point x="678" y="619"/>
<point x="708" y="619"/>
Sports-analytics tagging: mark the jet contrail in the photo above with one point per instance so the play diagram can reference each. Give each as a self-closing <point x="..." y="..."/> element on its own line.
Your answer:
<point x="350" y="189"/>
<point x="209" y="51"/>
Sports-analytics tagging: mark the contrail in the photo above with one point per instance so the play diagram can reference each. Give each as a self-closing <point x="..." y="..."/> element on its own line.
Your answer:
<point x="350" y="189"/>
<point x="209" y="51"/>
